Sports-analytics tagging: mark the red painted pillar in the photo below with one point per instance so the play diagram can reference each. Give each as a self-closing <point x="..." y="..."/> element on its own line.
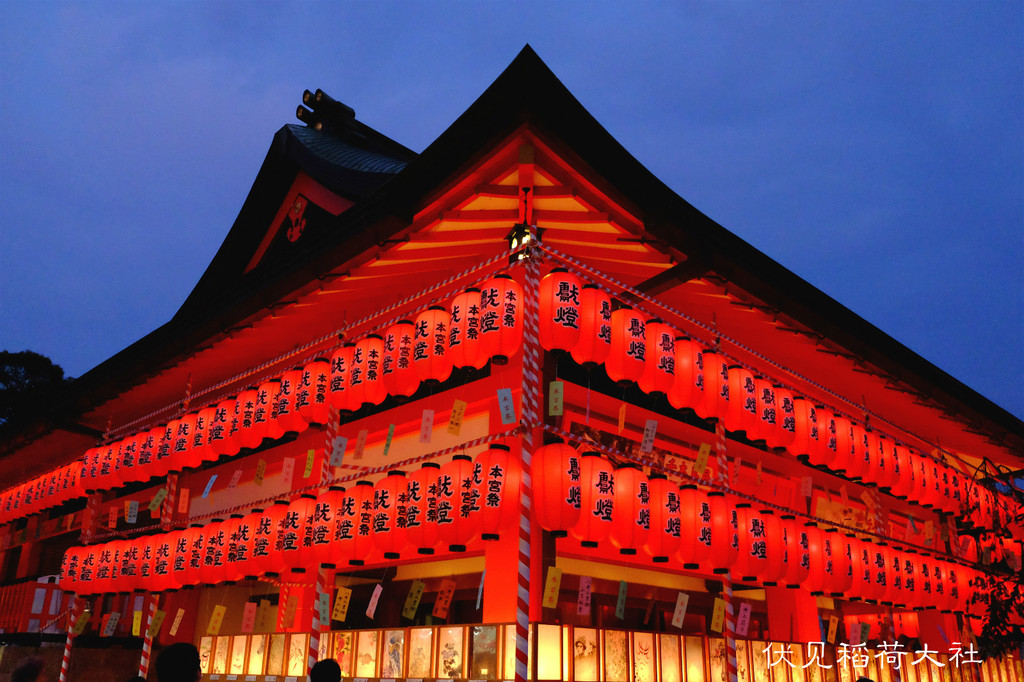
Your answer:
<point x="792" y="615"/>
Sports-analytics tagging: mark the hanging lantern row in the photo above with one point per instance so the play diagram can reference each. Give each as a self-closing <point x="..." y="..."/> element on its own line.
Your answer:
<point x="481" y="325"/>
<point x="578" y="318"/>
<point x="433" y="509"/>
<point x="583" y="496"/>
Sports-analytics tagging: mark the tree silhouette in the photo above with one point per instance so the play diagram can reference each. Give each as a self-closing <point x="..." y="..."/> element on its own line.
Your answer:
<point x="26" y="378"/>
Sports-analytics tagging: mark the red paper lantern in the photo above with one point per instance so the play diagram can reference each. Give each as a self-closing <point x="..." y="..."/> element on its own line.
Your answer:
<point x="313" y="396"/>
<point x="752" y="556"/>
<point x="501" y="318"/>
<point x="430" y="356"/>
<point x="665" y="535"/>
<point x="688" y="386"/>
<point x="597" y="500"/>
<point x="250" y="431"/>
<point x="725" y="540"/>
<point x="595" y="338"/>
<point x="223" y="429"/>
<point x="129" y="570"/>
<point x="742" y="412"/>
<point x="766" y="425"/>
<point x="628" y="352"/>
<point x="904" y="472"/>
<point x="69" y="566"/>
<point x="181" y="447"/>
<point x="861" y="463"/>
<point x="201" y="450"/>
<point x="785" y="434"/>
<point x="798" y="566"/>
<point x="421" y="507"/>
<point x="215" y="545"/>
<point x="464" y="345"/>
<point x="840" y="446"/>
<point x="341" y="365"/>
<point x="458" y="503"/>
<point x="365" y="385"/>
<point x="327" y="548"/>
<point x="266" y="408"/>
<point x="660" y="360"/>
<point x="842" y="555"/>
<point x="273" y="532"/>
<point x="805" y="441"/>
<point x="88" y="558"/>
<point x="389" y="510"/>
<point x="358" y="501"/>
<point x="288" y="415"/>
<point x="559" y="310"/>
<point x="107" y="478"/>
<point x="164" y="545"/>
<point x="716" y="385"/>
<point x="105" y="574"/>
<point x="232" y="539"/>
<point x="128" y="460"/>
<point x="291" y="531"/>
<point x="556" y="487"/>
<point x="254" y="541"/>
<point x="631" y="504"/>
<point x="396" y="370"/>
<point x="500" y="491"/>
<point x="779" y="539"/>
<point x="196" y="536"/>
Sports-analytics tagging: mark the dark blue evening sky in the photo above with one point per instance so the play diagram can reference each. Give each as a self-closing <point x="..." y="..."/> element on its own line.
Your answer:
<point x="876" y="149"/>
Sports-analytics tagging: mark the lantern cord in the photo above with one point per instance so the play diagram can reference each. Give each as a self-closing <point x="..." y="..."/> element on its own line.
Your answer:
<point x="588" y="272"/>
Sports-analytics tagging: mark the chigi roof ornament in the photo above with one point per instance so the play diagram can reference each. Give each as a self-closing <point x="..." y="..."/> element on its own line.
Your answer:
<point x="324" y="113"/>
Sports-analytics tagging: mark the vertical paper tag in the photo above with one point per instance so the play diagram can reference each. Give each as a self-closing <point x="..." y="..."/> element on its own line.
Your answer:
<point x="865" y="631"/>
<point x="911" y="527"/>
<point x="737" y="467"/>
<point x="287" y="472"/>
<point x="235" y="478"/>
<point x="620" y="603"/>
<point x="323" y="609"/>
<point x="261" y="471"/>
<point x="155" y="503"/>
<point x="338" y="451"/>
<point x="443" y="601"/>
<point x="650" y="430"/>
<point x="387" y="441"/>
<point x="583" y="597"/>
<point x="806" y="486"/>
<point x="209" y="486"/>
<point x="556" y="405"/>
<point x="426" y="426"/>
<point x="480" y="589"/>
<point x="506" y="406"/>
<point x="758" y="478"/>
<point x="456" y="416"/>
<point x="291" y="605"/>
<point x="868" y="500"/>
<point x="216" y="618"/>
<point x="552" y="585"/>
<point x="310" y="458"/>
<point x="360" y="444"/>
<point x="412" y="600"/>
<point x="929" y="531"/>
<point x="374" y="598"/>
<point x="136" y="623"/>
<point x="132" y="515"/>
<point x="718" y="615"/>
<point x="679" y="613"/>
<point x="622" y="418"/>
<point x="155" y="622"/>
<point x="112" y="521"/>
<point x="248" y="617"/>
<point x="183" y="499"/>
<point x="702" y="459"/>
<point x="743" y="620"/>
<point x="265" y="614"/>
<point x="854" y="634"/>
<point x="177" y="622"/>
<point x="83" y="620"/>
<point x="833" y="628"/>
<point x="341" y="603"/>
<point x="110" y="623"/>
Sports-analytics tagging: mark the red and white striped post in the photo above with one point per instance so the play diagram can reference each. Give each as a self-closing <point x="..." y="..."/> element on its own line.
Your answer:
<point x="77" y="607"/>
<point x="720" y="457"/>
<point x="531" y="419"/>
<point x="316" y="626"/>
<point x="147" y="637"/>
<point x="167" y="508"/>
<point x="730" y="633"/>
<point x="89" y="520"/>
<point x="333" y="424"/>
